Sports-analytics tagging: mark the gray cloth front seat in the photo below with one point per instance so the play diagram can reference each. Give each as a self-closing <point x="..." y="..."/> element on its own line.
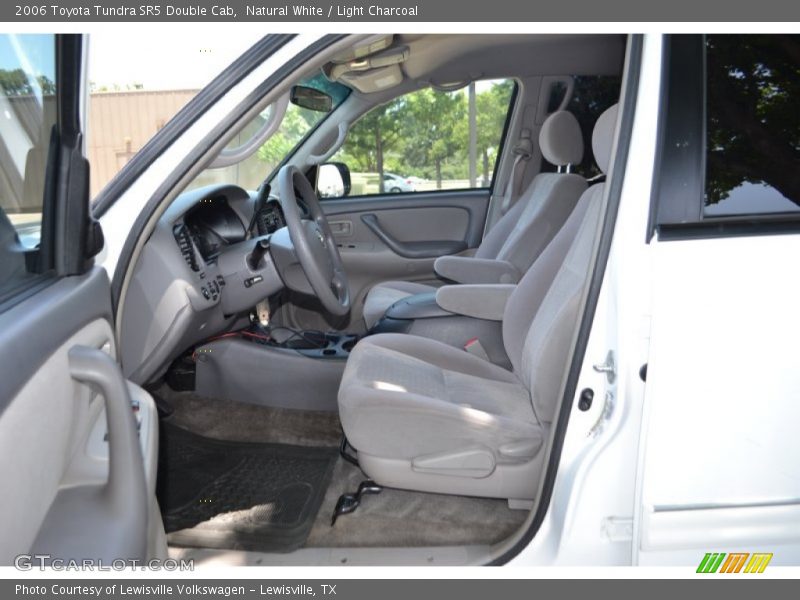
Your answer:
<point x="520" y="235"/>
<point x="426" y="416"/>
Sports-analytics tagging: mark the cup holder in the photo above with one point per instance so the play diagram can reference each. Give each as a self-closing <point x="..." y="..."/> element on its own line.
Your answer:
<point x="348" y="345"/>
<point x="329" y="352"/>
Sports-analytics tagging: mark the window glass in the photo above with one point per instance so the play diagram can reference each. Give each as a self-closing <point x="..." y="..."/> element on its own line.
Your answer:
<point x="753" y="124"/>
<point x="137" y="86"/>
<point x="591" y="96"/>
<point x="297" y="123"/>
<point x="421" y="142"/>
<point x="27" y="117"/>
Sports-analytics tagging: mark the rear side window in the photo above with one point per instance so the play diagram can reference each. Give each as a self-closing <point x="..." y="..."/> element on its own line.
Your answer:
<point x="591" y="96"/>
<point x="753" y="124"/>
<point x="729" y="131"/>
<point x="424" y="141"/>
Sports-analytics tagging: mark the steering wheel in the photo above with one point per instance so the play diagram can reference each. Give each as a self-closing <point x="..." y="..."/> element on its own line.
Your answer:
<point x="313" y="241"/>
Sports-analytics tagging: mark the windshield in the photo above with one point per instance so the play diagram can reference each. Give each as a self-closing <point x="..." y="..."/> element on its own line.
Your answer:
<point x="296" y="125"/>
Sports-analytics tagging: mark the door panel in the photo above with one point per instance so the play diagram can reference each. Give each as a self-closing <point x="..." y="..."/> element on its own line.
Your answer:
<point x="54" y="427"/>
<point x="428" y="224"/>
<point x="73" y="466"/>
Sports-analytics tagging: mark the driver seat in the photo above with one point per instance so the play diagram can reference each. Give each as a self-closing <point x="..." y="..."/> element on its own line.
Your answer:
<point x="427" y="416"/>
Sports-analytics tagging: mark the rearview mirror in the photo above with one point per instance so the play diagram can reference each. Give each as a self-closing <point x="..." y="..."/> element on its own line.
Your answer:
<point x="311" y="98"/>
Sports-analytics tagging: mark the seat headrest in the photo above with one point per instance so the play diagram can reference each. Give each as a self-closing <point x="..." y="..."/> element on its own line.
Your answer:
<point x="603" y="137"/>
<point x="560" y="139"/>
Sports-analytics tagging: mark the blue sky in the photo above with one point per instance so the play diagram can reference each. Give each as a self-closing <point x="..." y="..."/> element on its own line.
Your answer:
<point x="33" y="52"/>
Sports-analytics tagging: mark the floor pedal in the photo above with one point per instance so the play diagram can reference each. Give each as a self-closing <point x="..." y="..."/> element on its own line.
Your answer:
<point x="348" y="503"/>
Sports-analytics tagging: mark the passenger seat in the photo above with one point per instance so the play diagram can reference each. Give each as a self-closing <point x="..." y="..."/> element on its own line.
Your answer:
<point x="520" y="236"/>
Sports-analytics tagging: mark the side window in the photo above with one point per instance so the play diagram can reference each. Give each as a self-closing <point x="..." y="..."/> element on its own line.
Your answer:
<point x="730" y="136"/>
<point x="133" y="94"/>
<point x="591" y="96"/>
<point x="424" y="141"/>
<point x="28" y="115"/>
<point x="752" y="124"/>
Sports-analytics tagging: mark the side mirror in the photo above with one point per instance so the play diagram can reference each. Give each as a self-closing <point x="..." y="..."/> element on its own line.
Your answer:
<point x="333" y="180"/>
<point x="311" y="98"/>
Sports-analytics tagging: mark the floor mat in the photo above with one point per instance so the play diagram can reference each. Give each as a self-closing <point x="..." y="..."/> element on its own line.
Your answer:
<point x="239" y="495"/>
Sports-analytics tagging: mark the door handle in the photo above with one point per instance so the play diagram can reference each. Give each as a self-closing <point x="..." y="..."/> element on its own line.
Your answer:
<point x="341" y="228"/>
<point x="97" y="369"/>
<point x="102" y="521"/>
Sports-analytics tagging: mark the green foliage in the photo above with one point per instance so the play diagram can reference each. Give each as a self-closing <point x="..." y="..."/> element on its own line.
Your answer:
<point x="16" y="83"/>
<point x="297" y="122"/>
<point x="426" y="134"/>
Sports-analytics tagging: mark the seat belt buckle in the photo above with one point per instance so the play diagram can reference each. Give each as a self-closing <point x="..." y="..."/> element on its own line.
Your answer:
<point x="475" y="348"/>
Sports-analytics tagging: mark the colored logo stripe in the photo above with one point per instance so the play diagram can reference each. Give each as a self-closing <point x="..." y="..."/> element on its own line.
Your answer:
<point x="734" y="562"/>
<point x="758" y="563"/>
<point x="713" y="562"/>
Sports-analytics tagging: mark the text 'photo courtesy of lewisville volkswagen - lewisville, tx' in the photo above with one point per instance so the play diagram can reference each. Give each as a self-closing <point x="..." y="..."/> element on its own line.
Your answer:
<point x="508" y="294"/>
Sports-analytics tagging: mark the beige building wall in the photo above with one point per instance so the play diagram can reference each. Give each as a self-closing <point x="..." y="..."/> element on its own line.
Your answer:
<point x="120" y="123"/>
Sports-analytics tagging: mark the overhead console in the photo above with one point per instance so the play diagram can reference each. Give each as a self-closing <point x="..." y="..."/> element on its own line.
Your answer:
<point x="371" y="66"/>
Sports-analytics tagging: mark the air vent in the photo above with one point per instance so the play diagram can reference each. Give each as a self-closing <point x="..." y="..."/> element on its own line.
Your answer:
<point x="184" y="239"/>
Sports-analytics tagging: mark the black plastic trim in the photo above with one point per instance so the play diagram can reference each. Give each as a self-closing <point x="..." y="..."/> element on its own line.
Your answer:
<point x="679" y="171"/>
<point x="186" y="117"/>
<point x="196" y="154"/>
<point x="734" y="227"/>
<point x="628" y="108"/>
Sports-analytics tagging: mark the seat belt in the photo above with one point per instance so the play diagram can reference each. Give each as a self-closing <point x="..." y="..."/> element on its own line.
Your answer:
<point x="522" y="150"/>
<point x="475" y="348"/>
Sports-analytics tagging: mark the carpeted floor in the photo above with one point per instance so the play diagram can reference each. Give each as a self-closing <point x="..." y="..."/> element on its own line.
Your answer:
<point x="240" y="422"/>
<point x="393" y="518"/>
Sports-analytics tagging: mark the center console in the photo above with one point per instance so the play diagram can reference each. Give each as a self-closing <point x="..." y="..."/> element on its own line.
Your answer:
<point x="421" y="315"/>
<point x="291" y="369"/>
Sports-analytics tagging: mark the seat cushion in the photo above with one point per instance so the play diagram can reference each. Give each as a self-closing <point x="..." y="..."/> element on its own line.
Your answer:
<point x="405" y="397"/>
<point x="383" y="295"/>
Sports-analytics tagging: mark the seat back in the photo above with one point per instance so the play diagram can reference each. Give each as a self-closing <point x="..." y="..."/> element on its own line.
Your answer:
<point x="542" y="314"/>
<point x="526" y="229"/>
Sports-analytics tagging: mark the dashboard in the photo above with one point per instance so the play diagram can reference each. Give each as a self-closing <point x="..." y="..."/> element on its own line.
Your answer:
<point x="213" y="224"/>
<point x="192" y="279"/>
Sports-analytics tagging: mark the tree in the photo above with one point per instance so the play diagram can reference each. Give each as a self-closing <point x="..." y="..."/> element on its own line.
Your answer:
<point x="492" y="113"/>
<point x="295" y="124"/>
<point x="16" y="83"/>
<point x="373" y="137"/>
<point x="434" y="121"/>
<point x="753" y="121"/>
